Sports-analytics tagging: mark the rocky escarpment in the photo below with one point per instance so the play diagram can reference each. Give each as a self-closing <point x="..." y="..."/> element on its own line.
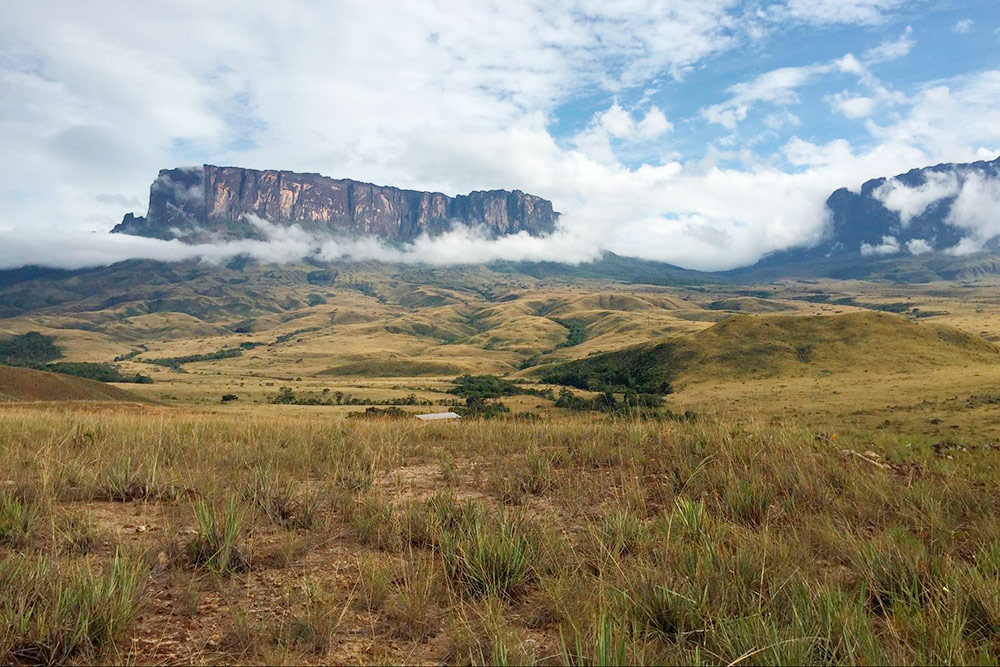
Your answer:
<point x="211" y="203"/>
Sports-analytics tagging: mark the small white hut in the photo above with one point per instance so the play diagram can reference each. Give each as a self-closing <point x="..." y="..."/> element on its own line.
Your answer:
<point x="437" y="416"/>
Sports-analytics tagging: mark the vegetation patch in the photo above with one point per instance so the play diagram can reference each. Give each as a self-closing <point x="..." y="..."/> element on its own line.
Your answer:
<point x="577" y="332"/>
<point x="30" y="349"/>
<point x="102" y="372"/>
<point x="644" y="370"/>
<point x="175" y="363"/>
<point x="284" y="338"/>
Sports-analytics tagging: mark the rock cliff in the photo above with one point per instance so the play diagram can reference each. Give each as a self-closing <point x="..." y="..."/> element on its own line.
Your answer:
<point x="210" y="203"/>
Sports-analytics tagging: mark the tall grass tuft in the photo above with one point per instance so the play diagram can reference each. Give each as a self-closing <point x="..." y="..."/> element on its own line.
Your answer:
<point x="19" y="520"/>
<point x="606" y="645"/>
<point x="218" y="544"/>
<point x="49" y="616"/>
<point x="130" y="479"/>
<point x="277" y="501"/>
<point x="489" y="556"/>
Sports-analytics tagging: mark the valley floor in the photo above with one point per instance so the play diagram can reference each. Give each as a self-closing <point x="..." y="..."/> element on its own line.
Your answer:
<point x="832" y="500"/>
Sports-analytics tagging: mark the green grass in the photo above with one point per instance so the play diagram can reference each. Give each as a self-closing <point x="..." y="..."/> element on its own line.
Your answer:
<point x="20" y="519"/>
<point x="489" y="555"/>
<point x="50" y="614"/>
<point x="218" y="545"/>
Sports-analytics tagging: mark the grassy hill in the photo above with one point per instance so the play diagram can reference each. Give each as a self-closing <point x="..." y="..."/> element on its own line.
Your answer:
<point x="23" y="384"/>
<point x="764" y="346"/>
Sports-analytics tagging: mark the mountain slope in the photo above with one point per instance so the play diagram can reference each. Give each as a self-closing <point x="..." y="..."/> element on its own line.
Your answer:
<point x="927" y="224"/>
<point x="762" y="346"/>
<point x="24" y="384"/>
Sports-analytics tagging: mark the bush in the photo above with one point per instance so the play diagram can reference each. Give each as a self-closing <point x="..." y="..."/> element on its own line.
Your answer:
<point x="101" y="372"/>
<point x="477" y="407"/>
<point x="229" y="398"/>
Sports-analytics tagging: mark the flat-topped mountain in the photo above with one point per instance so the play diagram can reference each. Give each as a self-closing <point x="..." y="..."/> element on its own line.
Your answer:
<point x="211" y="203"/>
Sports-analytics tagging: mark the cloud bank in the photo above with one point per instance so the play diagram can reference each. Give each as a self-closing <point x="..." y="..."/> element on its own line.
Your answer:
<point x="615" y="112"/>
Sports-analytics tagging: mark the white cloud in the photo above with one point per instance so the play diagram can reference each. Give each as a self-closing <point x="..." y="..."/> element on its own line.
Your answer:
<point x="775" y="87"/>
<point x="889" y="246"/>
<point x="919" y="246"/>
<point x="910" y="202"/>
<point x="833" y="11"/>
<point x="445" y="96"/>
<point x="891" y="50"/>
<point x="976" y="209"/>
<point x="963" y="26"/>
<point x="854" y="107"/>
<point x="618" y="125"/>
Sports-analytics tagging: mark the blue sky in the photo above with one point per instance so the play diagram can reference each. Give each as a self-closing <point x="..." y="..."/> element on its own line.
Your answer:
<point x="703" y="133"/>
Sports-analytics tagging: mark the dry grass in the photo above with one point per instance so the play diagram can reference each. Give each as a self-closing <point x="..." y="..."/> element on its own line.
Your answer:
<point x="598" y="541"/>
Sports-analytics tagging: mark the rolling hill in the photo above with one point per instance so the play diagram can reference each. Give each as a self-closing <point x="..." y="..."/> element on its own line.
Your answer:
<point x="752" y="346"/>
<point x="24" y="384"/>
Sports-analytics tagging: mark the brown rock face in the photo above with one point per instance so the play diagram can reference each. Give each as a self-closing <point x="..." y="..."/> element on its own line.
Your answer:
<point x="210" y="202"/>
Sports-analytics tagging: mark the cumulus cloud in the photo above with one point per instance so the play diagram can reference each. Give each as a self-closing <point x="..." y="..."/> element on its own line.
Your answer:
<point x="975" y="210"/>
<point x="854" y="107"/>
<point x="909" y="202"/>
<point x="919" y="246"/>
<point x="616" y="125"/>
<point x="888" y="246"/>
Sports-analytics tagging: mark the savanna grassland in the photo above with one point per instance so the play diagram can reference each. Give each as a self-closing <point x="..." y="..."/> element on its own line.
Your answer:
<point x="816" y="487"/>
<point x="152" y="536"/>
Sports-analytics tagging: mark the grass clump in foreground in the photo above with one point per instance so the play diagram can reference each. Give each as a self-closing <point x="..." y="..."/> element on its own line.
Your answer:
<point x="218" y="544"/>
<point x="489" y="555"/>
<point x="19" y="520"/>
<point x="51" y="614"/>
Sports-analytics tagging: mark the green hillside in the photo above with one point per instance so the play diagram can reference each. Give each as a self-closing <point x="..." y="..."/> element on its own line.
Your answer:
<point x="763" y="346"/>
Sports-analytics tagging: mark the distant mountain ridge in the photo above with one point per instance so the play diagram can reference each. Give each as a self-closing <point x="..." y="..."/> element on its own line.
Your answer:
<point x="216" y="203"/>
<point x="908" y="220"/>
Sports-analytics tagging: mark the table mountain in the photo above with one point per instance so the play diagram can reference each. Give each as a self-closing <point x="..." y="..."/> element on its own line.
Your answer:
<point x="212" y="203"/>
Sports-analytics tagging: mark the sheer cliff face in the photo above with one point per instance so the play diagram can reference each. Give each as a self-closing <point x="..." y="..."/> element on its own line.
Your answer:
<point x="209" y="202"/>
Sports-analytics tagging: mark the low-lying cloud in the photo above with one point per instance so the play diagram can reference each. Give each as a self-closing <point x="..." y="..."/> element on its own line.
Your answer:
<point x="973" y="199"/>
<point x="284" y="244"/>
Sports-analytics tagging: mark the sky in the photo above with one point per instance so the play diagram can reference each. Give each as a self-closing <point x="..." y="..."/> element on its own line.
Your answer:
<point x="704" y="133"/>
